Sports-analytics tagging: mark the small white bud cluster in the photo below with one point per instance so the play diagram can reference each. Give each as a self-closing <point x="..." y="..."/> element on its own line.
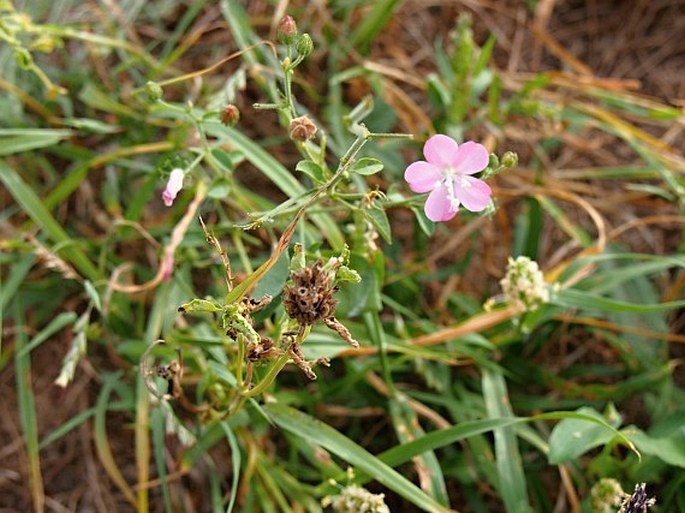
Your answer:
<point x="606" y="495"/>
<point x="524" y="285"/>
<point x="355" y="499"/>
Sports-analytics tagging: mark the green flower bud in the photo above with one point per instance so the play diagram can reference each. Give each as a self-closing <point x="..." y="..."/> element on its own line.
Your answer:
<point x="153" y="91"/>
<point x="510" y="159"/>
<point x="24" y="58"/>
<point x="305" y="45"/>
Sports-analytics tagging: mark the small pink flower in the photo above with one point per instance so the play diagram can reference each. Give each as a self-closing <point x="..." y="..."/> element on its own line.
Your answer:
<point x="446" y="173"/>
<point x="173" y="185"/>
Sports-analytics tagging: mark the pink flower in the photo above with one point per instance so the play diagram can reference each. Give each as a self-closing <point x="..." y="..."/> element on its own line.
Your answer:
<point x="446" y="174"/>
<point x="173" y="185"/>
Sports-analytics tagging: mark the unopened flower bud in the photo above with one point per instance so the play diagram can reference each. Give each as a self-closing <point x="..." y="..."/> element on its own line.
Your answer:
<point x="153" y="91"/>
<point x="305" y="45"/>
<point x="230" y="115"/>
<point x="173" y="186"/>
<point x="24" y="58"/>
<point x="510" y="159"/>
<point x="302" y="129"/>
<point x="287" y="30"/>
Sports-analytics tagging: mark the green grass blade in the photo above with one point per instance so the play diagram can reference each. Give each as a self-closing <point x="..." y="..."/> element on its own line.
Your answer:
<point x="15" y="277"/>
<point x="27" y="410"/>
<point x="101" y="441"/>
<point x="158" y="425"/>
<point x="372" y="23"/>
<point x="32" y="205"/>
<point x="512" y="482"/>
<point x="17" y="140"/>
<point x="59" y="322"/>
<point x="307" y="427"/>
<point x="68" y="426"/>
<point x="407" y="427"/>
<point x="572" y="298"/>
<point x="235" y="464"/>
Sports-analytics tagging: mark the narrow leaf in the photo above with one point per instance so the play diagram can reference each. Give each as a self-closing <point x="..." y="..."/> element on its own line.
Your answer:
<point x="304" y="426"/>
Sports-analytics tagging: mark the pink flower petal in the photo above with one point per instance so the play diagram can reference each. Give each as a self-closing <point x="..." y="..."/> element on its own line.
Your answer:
<point x="173" y="186"/>
<point x="476" y="196"/>
<point x="470" y="158"/>
<point x="438" y="207"/>
<point x="422" y="176"/>
<point x="440" y="150"/>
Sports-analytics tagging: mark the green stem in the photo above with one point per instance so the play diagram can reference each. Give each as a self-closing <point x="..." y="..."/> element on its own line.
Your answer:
<point x="270" y="376"/>
<point x="240" y="360"/>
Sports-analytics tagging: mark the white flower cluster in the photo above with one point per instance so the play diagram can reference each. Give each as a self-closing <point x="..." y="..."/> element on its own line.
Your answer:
<point x="524" y="285"/>
<point x="355" y="499"/>
<point x="606" y="495"/>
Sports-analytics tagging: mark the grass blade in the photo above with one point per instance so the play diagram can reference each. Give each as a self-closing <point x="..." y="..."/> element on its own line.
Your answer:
<point x="235" y="463"/>
<point x="17" y="140"/>
<point x="304" y="426"/>
<point x="572" y="298"/>
<point x="512" y="482"/>
<point x="27" y="410"/>
<point x="101" y="441"/>
<point x="32" y="205"/>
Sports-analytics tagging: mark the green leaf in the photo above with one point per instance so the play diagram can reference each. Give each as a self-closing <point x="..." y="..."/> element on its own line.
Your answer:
<point x="670" y="450"/>
<point x="311" y="169"/>
<point x="407" y="428"/>
<point x="572" y="438"/>
<point x="379" y="219"/>
<point x="200" y="305"/>
<point x="17" y="140"/>
<point x="26" y="404"/>
<point x="219" y="188"/>
<point x="94" y="97"/>
<point x="93" y="295"/>
<point x="427" y="226"/>
<point x="511" y="477"/>
<point x="235" y="463"/>
<point x="572" y="298"/>
<point x="367" y="166"/>
<point x="313" y="430"/>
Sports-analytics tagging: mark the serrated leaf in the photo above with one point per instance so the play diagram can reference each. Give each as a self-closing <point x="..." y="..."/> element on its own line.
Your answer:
<point x="367" y="166"/>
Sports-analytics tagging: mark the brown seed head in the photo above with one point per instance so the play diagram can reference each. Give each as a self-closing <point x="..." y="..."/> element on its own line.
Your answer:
<point x="310" y="298"/>
<point x="302" y="129"/>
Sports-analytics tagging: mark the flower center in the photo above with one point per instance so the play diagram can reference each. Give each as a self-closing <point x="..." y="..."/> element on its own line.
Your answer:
<point x="452" y="180"/>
